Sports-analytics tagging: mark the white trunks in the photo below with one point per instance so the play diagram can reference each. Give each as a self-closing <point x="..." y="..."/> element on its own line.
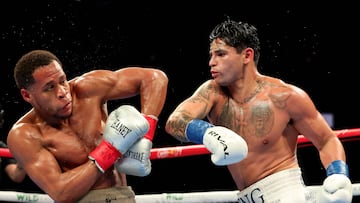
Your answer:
<point x="282" y="187"/>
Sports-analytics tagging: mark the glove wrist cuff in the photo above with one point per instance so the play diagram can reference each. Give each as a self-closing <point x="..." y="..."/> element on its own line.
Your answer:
<point x="152" y="120"/>
<point x="337" y="167"/>
<point x="104" y="155"/>
<point x="195" y="130"/>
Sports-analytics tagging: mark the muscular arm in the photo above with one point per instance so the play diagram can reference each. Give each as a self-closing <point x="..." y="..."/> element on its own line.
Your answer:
<point x="153" y="90"/>
<point x="197" y="106"/>
<point x="149" y="83"/>
<point x="42" y="167"/>
<point x="310" y="123"/>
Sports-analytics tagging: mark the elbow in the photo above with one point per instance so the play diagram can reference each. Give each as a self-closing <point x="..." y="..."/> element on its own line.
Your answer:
<point x="174" y="124"/>
<point x="159" y="75"/>
<point x="176" y="128"/>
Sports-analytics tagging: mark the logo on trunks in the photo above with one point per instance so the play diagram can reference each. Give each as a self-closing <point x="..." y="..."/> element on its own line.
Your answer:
<point x="109" y="198"/>
<point x="255" y="196"/>
<point x="122" y="129"/>
<point x="215" y="134"/>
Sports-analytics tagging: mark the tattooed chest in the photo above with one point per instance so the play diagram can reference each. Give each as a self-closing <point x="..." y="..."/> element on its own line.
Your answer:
<point x="255" y="119"/>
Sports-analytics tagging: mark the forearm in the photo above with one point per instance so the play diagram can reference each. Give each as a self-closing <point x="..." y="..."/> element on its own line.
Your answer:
<point x="331" y="151"/>
<point x="74" y="184"/>
<point x="153" y="91"/>
<point x="176" y="126"/>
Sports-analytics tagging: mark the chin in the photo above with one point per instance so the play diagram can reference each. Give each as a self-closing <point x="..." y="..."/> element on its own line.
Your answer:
<point x="65" y="115"/>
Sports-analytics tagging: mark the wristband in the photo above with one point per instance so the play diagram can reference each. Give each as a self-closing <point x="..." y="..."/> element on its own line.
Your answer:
<point x="196" y="129"/>
<point x="152" y="120"/>
<point x="104" y="155"/>
<point x="337" y="167"/>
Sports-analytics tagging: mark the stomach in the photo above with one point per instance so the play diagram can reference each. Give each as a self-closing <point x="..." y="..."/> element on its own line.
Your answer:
<point x="258" y="166"/>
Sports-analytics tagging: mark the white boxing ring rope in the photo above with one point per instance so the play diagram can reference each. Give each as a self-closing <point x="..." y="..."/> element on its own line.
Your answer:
<point x="190" y="197"/>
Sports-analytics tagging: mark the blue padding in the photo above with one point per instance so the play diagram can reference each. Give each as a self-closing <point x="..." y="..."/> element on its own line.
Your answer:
<point x="337" y="167"/>
<point x="195" y="130"/>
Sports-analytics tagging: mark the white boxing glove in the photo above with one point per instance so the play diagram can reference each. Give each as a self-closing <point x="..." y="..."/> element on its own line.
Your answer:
<point x="136" y="161"/>
<point x="337" y="187"/>
<point x="226" y="146"/>
<point x="124" y="126"/>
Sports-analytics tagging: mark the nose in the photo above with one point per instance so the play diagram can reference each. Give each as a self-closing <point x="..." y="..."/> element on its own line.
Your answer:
<point x="212" y="61"/>
<point x="62" y="91"/>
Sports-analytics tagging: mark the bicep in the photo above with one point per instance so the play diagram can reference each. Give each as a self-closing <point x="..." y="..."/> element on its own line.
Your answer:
<point x="193" y="107"/>
<point x="308" y="120"/>
<point x="107" y="85"/>
<point x="198" y="105"/>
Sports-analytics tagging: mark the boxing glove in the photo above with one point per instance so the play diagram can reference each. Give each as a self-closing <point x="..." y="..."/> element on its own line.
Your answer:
<point x="226" y="147"/>
<point x="337" y="187"/>
<point x="124" y="126"/>
<point x="136" y="161"/>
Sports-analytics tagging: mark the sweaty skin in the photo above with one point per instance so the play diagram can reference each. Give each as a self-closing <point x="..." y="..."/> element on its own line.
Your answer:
<point x="268" y="113"/>
<point x="52" y="141"/>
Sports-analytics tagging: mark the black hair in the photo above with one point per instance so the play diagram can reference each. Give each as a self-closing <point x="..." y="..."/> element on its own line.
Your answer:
<point x="239" y="35"/>
<point x="30" y="62"/>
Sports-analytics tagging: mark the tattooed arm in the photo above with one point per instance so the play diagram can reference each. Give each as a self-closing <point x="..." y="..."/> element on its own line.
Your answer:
<point x="197" y="106"/>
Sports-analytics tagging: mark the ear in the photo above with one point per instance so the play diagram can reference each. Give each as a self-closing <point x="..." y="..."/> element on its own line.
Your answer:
<point x="249" y="55"/>
<point x="25" y="94"/>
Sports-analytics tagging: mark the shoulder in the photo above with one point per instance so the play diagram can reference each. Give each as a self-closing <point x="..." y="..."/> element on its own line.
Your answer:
<point x="286" y="95"/>
<point x="211" y="92"/>
<point x="277" y="86"/>
<point x="23" y="130"/>
<point x="282" y="93"/>
<point x="210" y="85"/>
<point x="92" y="83"/>
<point x="24" y="140"/>
<point x="26" y="127"/>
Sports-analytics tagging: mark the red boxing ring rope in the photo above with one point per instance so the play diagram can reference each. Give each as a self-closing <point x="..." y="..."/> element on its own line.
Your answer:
<point x="192" y="197"/>
<point x="191" y="150"/>
<point x="198" y="149"/>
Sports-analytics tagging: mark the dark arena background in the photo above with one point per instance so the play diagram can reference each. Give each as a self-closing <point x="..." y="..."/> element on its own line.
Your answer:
<point x="314" y="46"/>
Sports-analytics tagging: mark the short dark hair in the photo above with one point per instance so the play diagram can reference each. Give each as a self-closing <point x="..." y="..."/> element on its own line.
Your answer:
<point x="239" y="35"/>
<point x="28" y="63"/>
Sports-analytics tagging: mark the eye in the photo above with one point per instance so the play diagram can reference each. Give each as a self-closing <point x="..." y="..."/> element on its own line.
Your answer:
<point x="49" y="88"/>
<point x="221" y="54"/>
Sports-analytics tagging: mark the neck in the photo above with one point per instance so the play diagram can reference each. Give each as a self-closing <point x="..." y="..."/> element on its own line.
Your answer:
<point x="247" y="91"/>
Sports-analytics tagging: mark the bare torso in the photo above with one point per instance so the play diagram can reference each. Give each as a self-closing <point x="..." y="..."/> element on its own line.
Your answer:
<point x="71" y="142"/>
<point x="266" y="127"/>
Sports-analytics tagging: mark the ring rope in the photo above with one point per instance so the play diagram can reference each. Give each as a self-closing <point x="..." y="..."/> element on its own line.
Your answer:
<point x="190" y="197"/>
<point x="199" y="149"/>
